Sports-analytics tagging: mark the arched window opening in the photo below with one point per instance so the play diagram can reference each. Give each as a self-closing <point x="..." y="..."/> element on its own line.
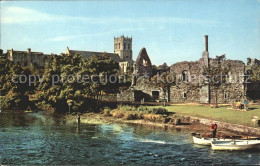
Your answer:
<point x="185" y="76"/>
<point x="185" y="95"/>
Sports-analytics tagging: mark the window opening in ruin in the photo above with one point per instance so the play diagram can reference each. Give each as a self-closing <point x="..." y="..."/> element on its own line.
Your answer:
<point x="184" y="76"/>
<point x="184" y="95"/>
<point x="144" y="62"/>
<point x="155" y="95"/>
<point x="225" y="95"/>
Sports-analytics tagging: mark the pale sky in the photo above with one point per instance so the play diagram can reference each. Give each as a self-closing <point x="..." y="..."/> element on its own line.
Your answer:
<point x="171" y="31"/>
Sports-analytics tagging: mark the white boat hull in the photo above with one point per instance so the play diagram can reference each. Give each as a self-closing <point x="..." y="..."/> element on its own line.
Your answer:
<point x="207" y="141"/>
<point x="236" y="145"/>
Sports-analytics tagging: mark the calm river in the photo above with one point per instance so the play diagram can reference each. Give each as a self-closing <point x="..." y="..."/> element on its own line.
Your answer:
<point x="40" y="138"/>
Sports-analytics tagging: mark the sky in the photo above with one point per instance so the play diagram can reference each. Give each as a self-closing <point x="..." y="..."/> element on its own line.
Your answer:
<point x="171" y="31"/>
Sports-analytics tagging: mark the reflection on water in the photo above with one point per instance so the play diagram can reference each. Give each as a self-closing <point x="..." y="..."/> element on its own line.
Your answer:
<point x="41" y="138"/>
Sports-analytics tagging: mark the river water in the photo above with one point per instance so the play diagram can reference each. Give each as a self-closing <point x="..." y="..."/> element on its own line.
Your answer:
<point x="40" y="138"/>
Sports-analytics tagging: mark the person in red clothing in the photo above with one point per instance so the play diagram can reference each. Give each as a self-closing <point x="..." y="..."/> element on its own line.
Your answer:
<point x="213" y="128"/>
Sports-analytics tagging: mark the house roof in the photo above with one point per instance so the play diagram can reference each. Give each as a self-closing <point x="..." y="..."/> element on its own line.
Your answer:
<point x="87" y="54"/>
<point x="25" y="52"/>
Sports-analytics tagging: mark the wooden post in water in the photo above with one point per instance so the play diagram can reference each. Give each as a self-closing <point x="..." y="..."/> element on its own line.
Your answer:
<point x="78" y="118"/>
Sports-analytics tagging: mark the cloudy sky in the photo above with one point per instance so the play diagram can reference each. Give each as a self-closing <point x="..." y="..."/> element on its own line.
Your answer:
<point x="171" y="31"/>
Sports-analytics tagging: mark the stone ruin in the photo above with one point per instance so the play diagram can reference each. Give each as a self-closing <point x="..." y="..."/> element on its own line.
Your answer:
<point x="190" y="82"/>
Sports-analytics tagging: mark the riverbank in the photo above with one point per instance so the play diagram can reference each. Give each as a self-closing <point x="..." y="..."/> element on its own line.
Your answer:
<point x="195" y="118"/>
<point x="193" y="126"/>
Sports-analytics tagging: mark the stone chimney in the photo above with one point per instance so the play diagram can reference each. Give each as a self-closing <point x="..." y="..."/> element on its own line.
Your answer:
<point x="205" y="54"/>
<point x="206" y="43"/>
<point x="29" y="50"/>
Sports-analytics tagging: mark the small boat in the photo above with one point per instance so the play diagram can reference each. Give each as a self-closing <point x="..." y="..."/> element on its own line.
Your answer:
<point x="200" y="140"/>
<point x="207" y="141"/>
<point x="236" y="145"/>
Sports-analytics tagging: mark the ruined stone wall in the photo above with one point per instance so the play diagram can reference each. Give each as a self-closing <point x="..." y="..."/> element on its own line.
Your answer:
<point x="227" y="93"/>
<point x="192" y="70"/>
<point x="185" y="93"/>
<point x="233" y="88"/>
<point x="143" y="84"/>
<point x="143" y="65"/>
<point x="188" y="81"/>
<point x="236" y="70"/>
<point x="125" y="95"/>
<point x="251" y="62"/>
<point x="142" y="90"/>
<point x="193" y="89"/>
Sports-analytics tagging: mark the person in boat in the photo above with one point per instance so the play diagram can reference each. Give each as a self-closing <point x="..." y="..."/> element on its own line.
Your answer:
<point x="213" y="128"/>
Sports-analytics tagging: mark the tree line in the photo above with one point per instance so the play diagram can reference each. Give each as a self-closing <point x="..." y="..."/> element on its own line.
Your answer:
<point x="22" y="95"/>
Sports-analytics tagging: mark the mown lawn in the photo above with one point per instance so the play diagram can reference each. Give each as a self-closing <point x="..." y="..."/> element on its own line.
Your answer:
<point x="220" y="114"/>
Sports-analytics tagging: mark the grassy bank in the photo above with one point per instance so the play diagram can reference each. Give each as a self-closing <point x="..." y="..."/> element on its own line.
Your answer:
<point x="221" y="114"/>
<point x="158" y="113"/>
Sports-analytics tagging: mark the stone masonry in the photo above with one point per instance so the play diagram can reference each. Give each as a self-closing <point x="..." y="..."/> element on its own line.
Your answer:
<point x="190" y="82"/>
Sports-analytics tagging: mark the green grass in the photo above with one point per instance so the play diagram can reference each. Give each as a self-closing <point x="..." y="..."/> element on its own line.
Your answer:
<point x="220" y="114"/>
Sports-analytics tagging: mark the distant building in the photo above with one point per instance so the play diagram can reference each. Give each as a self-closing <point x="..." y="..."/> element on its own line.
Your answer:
<point x="122" y="53"/>
<point x="28" y="58"/>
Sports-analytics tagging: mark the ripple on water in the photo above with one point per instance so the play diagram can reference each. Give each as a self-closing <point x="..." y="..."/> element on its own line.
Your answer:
<point x="42" y="141"/>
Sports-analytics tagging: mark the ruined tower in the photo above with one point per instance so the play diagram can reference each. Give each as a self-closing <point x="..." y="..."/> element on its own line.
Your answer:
<point x="123" y="47"/>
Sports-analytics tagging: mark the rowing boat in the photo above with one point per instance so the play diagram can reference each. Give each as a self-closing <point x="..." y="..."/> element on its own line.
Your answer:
<point x="236" y="145"/>
<point x="200" y="140"/>
<point x="207" y="141"/>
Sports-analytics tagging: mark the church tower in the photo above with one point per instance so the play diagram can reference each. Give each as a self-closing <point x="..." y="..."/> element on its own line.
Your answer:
<point x="123" y="47"/>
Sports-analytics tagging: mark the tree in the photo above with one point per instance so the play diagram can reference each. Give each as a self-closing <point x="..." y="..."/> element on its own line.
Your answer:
<point x="255" y="73"/>
<point x="253" y="82"/>
<point x="59" y="84"/>
<point x="5" y="67"/>
<point x="15" y="86"/>
<point x="70" y="78"/>
<point x="106" y="71"/>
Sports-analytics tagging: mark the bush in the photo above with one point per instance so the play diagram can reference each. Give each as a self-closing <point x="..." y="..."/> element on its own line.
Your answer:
<point x="154" y="117"/>
<point x="130" y="116"/>
<point x="117" y="114"/>
<point x="160" y="111"/>
<point x="148" y="110"/>
<point x="107" y="111"/>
